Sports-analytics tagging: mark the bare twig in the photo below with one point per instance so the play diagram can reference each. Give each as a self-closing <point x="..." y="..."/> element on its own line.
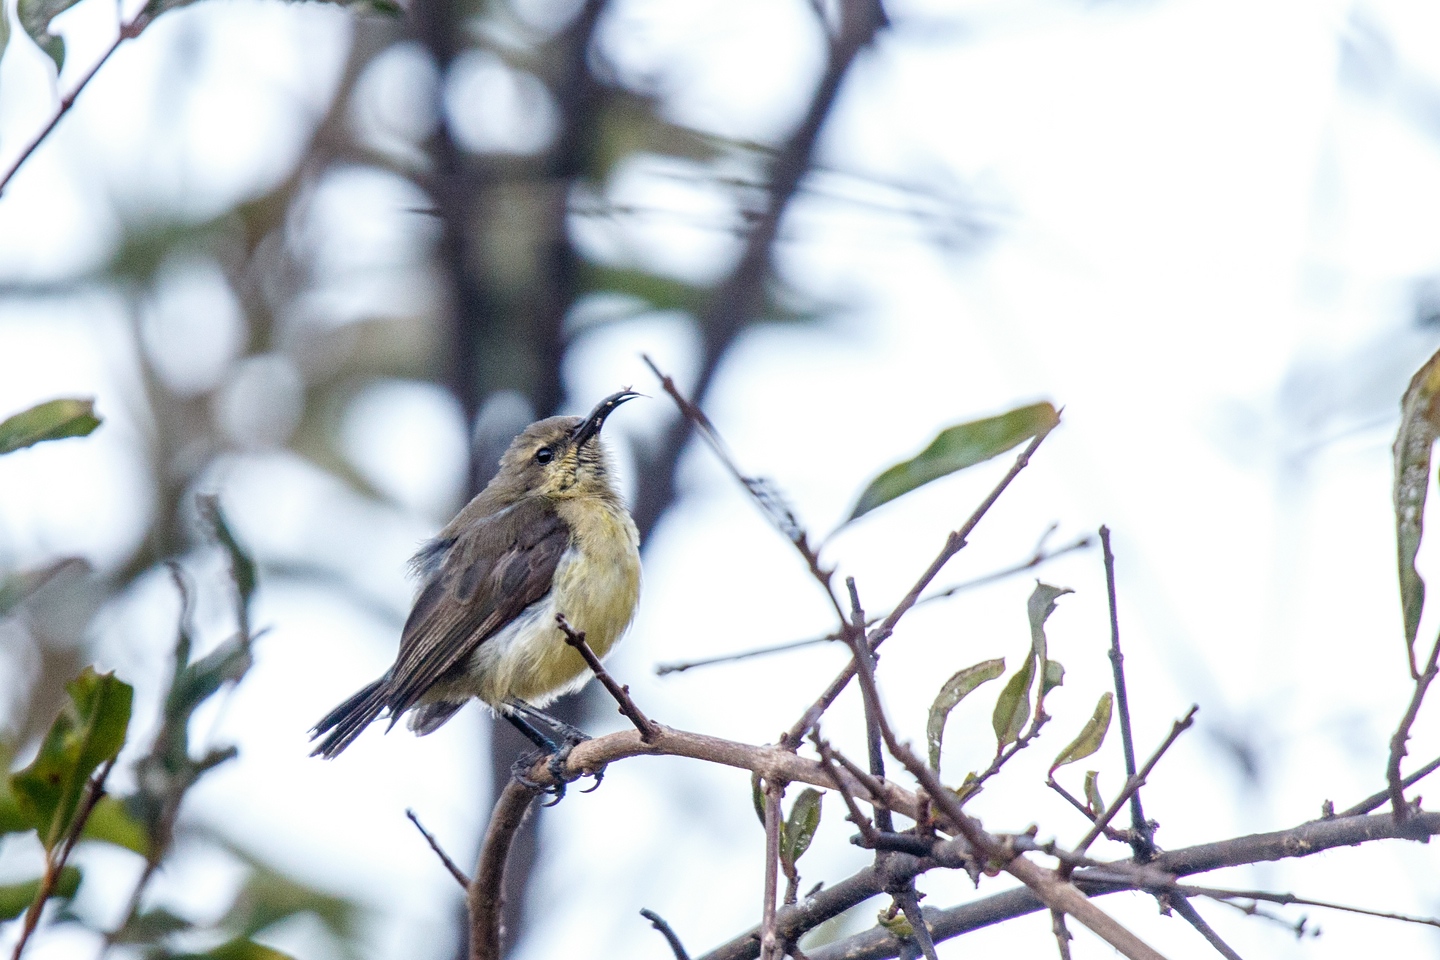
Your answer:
<point x="1063" y="936"/>
<point x="1036" y="559"/>
<point x="776" y="510"/>
<point x="658" y="922"/>
<point x="827" y="760"/>
<point x="770" y="948"/>
<point x="129" y="29"/>
<point x="485" y="899"/>
<point x="646" y="726"/>
<point x="1376" y="800"/>
<point x="455" y="871"/>
<point x="954" y="543"/>
<point x="865" y="658"/>
<point x="1289" y="899"/>
<point x="1192" y="916"/>
<point x="94" y="790"/>
<point x="1136" y="781"/>
<point x="1142" y="842"/>
<point x="1402" y="733"/>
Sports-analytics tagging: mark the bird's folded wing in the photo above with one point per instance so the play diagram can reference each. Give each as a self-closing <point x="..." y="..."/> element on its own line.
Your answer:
<point x="496" y="568"/>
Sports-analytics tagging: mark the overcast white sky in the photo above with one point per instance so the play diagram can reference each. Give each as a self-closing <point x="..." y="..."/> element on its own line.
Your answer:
<point x="1208" y="227"/>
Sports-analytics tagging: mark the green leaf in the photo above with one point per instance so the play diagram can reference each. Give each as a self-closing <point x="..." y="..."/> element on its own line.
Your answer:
<point x="111" y="822"/>
<point x="956" y="689"/>
<point x="1012" y="708"/>
<point x="799" y="830"/>
<point x="1419" y="427"/>
<point x="1053" y="677"/>
<point x="151" y="926"/>
<point x="955" y="449"/>
<point x="54" y="420"/>
<point x="16" y="897"/>
<point x="896" y="924"/>
<point x="35" y="17"/>
<point x="269" y="897"/>
<point x="1039" y="607"/>
<point x="241" y="948"/>
<point x="968" y="787"/>
<point x="1092" y="791"/>
<point x="1092" y="735"/>
<point x="89" y="731"/>
<point x="4" y="29"/>
<point x="242" y="567"/>
<point x="757" y="796"/>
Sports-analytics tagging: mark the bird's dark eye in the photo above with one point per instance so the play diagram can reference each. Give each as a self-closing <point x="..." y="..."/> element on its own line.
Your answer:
<point x="544" y="455"/>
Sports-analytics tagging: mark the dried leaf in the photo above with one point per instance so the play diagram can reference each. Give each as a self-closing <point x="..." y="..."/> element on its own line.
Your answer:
<point x="1012" y="708"/>
<point x="54" y="420"/>
<point x="1092" y="735"/>
<point x="956" y="689"/>
<point x="1419" y="427"/>
<point x="956" y="448"/>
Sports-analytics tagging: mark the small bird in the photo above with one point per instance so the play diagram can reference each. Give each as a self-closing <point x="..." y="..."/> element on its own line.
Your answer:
<point x="548" y="535"/>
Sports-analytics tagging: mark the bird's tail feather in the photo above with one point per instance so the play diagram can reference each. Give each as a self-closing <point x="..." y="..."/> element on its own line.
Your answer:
<point x="342" y="725"/>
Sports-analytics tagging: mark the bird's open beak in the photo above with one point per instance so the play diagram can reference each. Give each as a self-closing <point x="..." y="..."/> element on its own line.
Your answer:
<point x="591" y="425"/>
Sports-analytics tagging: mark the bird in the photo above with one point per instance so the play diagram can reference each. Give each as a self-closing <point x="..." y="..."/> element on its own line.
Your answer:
<point x="549" y="535"/>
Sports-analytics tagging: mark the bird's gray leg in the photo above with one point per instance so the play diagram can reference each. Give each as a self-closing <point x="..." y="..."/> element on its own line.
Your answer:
<point x="528" y="719"/>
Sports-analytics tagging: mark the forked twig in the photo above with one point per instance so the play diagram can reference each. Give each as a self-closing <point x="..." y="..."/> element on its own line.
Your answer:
<point x="1137" y="781"/>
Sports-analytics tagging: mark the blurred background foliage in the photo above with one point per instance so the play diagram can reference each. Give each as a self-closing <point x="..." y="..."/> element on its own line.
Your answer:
<point x="441" y="239"/>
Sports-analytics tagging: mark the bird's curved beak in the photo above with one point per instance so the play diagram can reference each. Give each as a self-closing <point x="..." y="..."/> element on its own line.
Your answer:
<point x="591" y="425"/>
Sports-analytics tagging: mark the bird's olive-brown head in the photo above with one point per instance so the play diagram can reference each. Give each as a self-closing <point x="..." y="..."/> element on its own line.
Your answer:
<point x="560" y="457"/>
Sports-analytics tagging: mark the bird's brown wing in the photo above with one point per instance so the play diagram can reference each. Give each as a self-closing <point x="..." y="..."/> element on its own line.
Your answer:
<point x="495" y="568"/>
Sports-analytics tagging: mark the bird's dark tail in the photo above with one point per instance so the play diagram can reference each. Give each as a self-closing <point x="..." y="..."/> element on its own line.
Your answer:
<point x="342" y="725"/>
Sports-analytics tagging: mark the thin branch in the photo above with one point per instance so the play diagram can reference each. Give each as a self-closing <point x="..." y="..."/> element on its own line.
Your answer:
<point x="94" y="790"/>
<point x="485" y="899"/>
<point x="455" y="871"/>
<point x="1289" y="899"/>
<point x="1063" y="936"/>
<point x="954" y="543"/>
<point x="1036" y="559"/>
<point x="874" y="717"/>
<point x="1142" y="841"/>
<point x="910" y="904"/>
<point x="1192" y="916"/>
<point x="769" y="942"/>
<point x="867" y="830"/>
<point x="1136" y="781"/>
<point x="658" y="922"/>
<point x="1377" y="800"/>
<point x="776" y="509"/>
<point x="648" y="730"/>
<point x="128" y="30"/>
<point x="1402" y="733"/>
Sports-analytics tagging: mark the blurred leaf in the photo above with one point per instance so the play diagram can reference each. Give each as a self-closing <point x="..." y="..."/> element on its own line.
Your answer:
<point x="1092" y="735"/>
<point x="1092" y="791"/>
<point x="956" y="689"/>
<point x="269" y="897"/>
<point x="968" y="787"/>
<point x="152" y="925"/>
<point x="35" y="17"/>
<point x="4" y="29"/>
<point x="1054" y="676"/>
<point x="630" y="123"/>
<point x="955" y="449"/>
<point x="89" y="731"/>
<point x="241" y="948"/>
<point x="655" y="291"/>
<point x="12" y="818"/>
<point x="1012" y="708"/>
<point x="18" y="586"/>
<point x="15" y="897"/>
<point x="53" y="420"/>
<point x="1419" y="427"/>
<point x="242" y="567"/>
<point x="111" y="822"/>
<point x="799" y="830"/>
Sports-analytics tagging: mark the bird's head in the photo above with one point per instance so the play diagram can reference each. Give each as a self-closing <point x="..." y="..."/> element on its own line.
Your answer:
<point x="561" y="457"/>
